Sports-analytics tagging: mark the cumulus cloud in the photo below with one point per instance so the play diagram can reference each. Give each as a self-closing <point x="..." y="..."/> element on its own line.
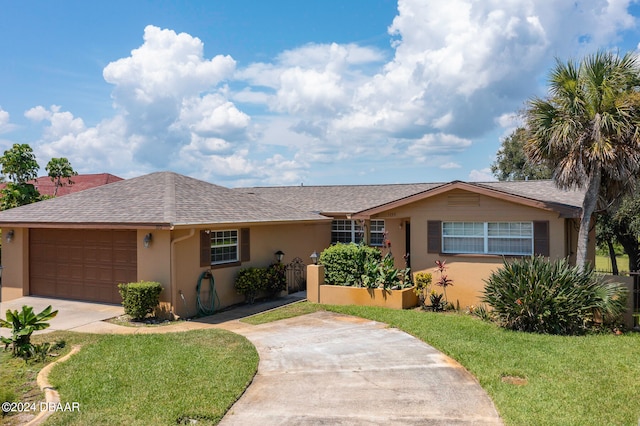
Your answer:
<point x="5" y="124"/>
<point x="455" y="72"/>
<point x="483" y="175"/>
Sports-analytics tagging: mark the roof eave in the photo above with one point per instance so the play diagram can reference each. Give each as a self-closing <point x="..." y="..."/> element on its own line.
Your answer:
<point x="88" y="225"/>
<point x="563" y="210"/>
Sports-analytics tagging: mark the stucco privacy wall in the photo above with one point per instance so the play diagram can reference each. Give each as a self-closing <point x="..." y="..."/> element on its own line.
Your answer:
<point x="295" y="240"/>
<point x="469" y="271"/>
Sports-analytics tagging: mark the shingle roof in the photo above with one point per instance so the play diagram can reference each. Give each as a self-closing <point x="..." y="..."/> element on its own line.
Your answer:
<point x="157" y="199"/>
<point x="45" y="185"/>
<point x="349" y="199"/>
<point x="338" y="198"/>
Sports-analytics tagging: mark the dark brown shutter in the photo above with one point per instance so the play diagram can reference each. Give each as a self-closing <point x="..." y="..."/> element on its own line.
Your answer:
<point x="541" y="238"/>
<point x="434" y="236"/>
<point x="205" y="249"/>
<point x="245" y="247"/>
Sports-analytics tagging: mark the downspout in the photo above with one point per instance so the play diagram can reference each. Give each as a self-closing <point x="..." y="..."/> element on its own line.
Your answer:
<point x="174" y="278"/>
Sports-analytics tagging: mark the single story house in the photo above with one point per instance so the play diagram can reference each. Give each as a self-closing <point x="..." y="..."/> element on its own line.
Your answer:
<point x="472" y="226"/>
<point x="170" y="228"/>
<point x="161" y="227"/>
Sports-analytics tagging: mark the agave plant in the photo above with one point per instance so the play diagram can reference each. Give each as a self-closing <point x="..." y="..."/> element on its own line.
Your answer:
<point x="22" y="324"/>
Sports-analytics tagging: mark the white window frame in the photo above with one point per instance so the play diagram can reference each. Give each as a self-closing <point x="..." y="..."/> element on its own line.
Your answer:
<point x="486" y="237"/>
<point x="351" y="229"/>
<point x="376" y="232"/>
<point x="223" y="236"/>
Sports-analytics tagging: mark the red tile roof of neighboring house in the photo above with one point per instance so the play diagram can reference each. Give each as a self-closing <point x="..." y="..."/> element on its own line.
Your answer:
<point x="45" y="185"/>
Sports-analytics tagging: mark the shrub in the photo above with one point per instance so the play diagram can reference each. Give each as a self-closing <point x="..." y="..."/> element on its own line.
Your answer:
<point x="250" y="281"/>
<point x="344" y="264"/>
<point x="140" y="298"/>
<point x="536" y="295"/>
<point x="22" y="324"/>
<point x="275" y="279"/>
<point x="422" y="283"/>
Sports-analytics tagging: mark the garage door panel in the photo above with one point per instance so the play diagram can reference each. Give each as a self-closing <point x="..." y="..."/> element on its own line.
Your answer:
<point x="82" y="264"/>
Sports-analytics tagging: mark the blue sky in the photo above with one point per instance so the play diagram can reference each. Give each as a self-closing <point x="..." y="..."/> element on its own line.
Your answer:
<point x="287" y="92"/>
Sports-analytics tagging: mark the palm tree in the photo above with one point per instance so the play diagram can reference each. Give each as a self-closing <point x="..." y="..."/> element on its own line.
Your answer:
<point x="588" y="129"/>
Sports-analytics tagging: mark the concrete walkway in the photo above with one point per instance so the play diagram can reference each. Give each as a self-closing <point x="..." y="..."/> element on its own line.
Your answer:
<point x="326" y="368"/>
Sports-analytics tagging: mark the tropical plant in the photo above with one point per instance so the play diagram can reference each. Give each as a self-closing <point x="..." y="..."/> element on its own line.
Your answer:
<point x="22" y="324"/>
<point x="250" y="281"/>
<point x="537" y="295"/>
<point x="436" y="301"/>
<point x="443" y="280"/>
<point x="587" y="129"/>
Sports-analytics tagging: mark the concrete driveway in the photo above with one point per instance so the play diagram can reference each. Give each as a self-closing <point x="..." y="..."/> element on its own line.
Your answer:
<point x="71" y="314"/>
<point x="325" y="368"/>
<point x="320" y="369"/>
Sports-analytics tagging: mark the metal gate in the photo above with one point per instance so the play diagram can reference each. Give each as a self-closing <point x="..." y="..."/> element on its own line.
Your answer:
<point x="296" y="276"/>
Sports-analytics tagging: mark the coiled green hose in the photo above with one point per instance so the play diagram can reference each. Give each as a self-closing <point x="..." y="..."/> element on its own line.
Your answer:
<point x="213" y="295"/>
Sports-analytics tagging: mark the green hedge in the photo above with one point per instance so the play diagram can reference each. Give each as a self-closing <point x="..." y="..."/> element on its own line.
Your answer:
<point x="140" y="298"/>
<point x="344" y="264"/>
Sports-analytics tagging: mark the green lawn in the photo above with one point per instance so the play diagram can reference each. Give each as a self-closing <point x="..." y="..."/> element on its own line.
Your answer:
<point x="149" y="379"/>
<point x="587" y="380"/>
<point x="603" y="263"/>
<point x="165" y="378"/>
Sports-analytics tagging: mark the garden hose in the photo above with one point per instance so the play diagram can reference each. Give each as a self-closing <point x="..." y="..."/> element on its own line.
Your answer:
<point x="213" y="295"/>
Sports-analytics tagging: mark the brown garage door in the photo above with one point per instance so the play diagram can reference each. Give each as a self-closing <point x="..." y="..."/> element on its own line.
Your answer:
<point x="81" y="264"/>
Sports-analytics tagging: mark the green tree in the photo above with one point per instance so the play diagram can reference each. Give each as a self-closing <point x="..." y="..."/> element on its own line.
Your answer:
<point x="625" y="223"/>
<point x="588" y="129"/>
<point x="19" y="165"/>
<point x="59" y="169"/>
<point x="512" y="163"/>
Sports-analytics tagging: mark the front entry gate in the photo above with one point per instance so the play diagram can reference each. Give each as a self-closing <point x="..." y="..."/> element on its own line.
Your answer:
<point x="296" y="276"/>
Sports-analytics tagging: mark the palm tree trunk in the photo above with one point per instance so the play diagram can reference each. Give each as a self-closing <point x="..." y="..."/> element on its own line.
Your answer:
<point x="612" y="256"/>
<point x="588" y="207"/>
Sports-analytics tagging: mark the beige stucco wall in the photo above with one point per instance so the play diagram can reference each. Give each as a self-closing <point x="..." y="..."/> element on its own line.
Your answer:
<point x="295" y="240"/>
<point x="15" y="273"/>
<point x="468" y="271"/>
<point x="153" y="263"/>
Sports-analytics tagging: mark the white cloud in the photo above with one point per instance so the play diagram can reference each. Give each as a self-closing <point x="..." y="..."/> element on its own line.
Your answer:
<point x="437" y="144"/>
<point x="450" y="165"/>
<point x="455" y="73"/>
<point x="5" y="122"/>
<point x="167" y="65"/>
<point x="483" y="175"/>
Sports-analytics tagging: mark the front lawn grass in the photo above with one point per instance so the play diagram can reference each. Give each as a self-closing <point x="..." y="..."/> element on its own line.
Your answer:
<point x="137" y="379"/>
<point x="155" y="379"/>
<point x="586" y="380"/>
